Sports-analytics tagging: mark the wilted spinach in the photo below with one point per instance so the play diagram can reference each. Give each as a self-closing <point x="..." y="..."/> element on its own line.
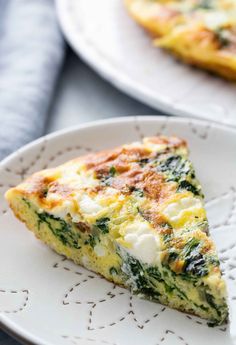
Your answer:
<point x="61" y="229"/>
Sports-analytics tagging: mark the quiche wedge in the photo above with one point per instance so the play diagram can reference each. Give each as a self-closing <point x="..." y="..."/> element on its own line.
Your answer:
<point x="200" y="32"/>
<point x="135" y="215"/>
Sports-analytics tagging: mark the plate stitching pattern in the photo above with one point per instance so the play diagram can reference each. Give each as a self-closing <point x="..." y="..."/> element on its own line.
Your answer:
<point x="56" y="265"/>
<point x="107" y="296"/>
<point x="163" y="127"/>
<point x="146" y="320"/>
<point x="67" y="149"/>
<point x="167" y="332"/>
<point x="23" y="305"/>
<point x="90" y="328"/>
<point x="204" y="323"/>
<point x="228" y="262"/>
<point x="202" y="135"/>
<point x="24" y="170"/>
<point x="232" y="208"/>
<point x="160" y="131"/>
<point x="137" y="128"/>
<point x="75" y="337"/>
<point x="37" y="157"/>
<point x="210" y="200"/>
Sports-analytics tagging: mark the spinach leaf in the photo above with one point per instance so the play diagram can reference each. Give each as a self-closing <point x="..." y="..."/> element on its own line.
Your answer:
<point x="102" y="225"/>
<point x="106" y="178"/>
<point x="195" y="263"/>
<point x="61" y="229"/>
<point x="143" y="161"/>
<point x="26" y="202"/>
<point x="113" y="270"/>
<point x="211" y="302"/>
<point x="204" y="4"/>
<point x="179" y="169"/>
<point x="91" y="240"/>
<point x="112" y="171"/>
<point x="140" y="283"/>
<point x="185" y="185"/>
<point x="175" y="166"/>
<point x="223" y="37"/>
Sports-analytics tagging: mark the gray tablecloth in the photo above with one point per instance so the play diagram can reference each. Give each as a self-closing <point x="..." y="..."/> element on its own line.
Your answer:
<point x="31" y="53"/>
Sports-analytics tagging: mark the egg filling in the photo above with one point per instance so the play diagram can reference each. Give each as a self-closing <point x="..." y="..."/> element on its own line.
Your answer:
<point x="135" y="215"/>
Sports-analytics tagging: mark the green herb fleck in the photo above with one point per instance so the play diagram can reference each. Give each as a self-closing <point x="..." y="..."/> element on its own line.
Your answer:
<point x="113" y="271"/>
<point x="143" y="162"/>
<point x="204" y="4"/>
<point x="223" y="37"/>
<point x="211" y="302"/>
<point x="106" y="178"/>
<point x="188" y="186"/>
<point x="91" y="240"/>
<point x="44" y="192"/>
<point x="26" y="202"/>
<point x="112" y="171"/>
<point x="137" y="191"/>
<point x="102" y="224"/>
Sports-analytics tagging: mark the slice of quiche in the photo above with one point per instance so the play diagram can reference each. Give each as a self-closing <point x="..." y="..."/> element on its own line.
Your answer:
<point x="200" y="32"/>
<point x="135" y="215"/>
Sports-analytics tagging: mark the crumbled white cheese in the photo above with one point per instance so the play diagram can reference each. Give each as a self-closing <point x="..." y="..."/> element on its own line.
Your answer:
<point x="111" y="191"/>
<point x="63" y="210"/>
<point x="216" y="19"/>
<point x="78" y="179"/>
<point x="144" y="244"/>
<point x="99" y="250"/>
<point x="174" y="211"/>
<point x="88" y="205"/>
<point x="51" y="197"/>
<point x="85" y="260"/>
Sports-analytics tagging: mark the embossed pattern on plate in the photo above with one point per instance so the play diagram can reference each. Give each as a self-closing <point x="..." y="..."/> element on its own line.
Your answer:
<point x="47" y="299"/>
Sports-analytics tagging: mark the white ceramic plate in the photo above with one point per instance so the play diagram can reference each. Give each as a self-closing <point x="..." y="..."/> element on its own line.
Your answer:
<point x="48" y="300"/>
<point x="103" y="34"/>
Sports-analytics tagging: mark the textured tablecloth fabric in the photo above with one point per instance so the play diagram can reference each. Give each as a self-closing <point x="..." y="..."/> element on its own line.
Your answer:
<point x="31" y="54"/>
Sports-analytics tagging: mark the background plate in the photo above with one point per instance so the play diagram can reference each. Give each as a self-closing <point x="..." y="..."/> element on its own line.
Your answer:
<point x="49" y="300"/>
<point x="104" y="35"/>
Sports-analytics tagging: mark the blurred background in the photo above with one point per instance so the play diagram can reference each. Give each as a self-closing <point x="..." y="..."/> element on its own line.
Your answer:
<point x="82" y="95"/>
<point x="44" y="85"/>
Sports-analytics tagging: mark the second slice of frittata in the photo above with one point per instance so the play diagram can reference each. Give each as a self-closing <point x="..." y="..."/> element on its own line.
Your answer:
<point x="135" y="215"/>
